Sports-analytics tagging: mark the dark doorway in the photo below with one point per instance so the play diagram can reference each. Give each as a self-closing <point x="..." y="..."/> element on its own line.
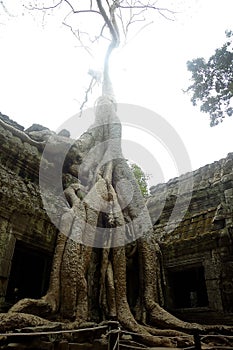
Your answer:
<point x="29" y="275"/>
<point x="188" y="288"/>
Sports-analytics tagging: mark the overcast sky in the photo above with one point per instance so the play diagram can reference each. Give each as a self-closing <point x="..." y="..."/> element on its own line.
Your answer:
<point x="43" y="75"/>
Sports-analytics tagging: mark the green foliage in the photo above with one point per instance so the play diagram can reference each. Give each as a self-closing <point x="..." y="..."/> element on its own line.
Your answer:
<point x="213" y="82"/>
<point x="141" y="178"/>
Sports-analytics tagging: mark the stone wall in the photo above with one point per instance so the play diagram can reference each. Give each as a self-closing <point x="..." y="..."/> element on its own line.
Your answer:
<point x="200" y="246"/>
<point x="23" y="221"/>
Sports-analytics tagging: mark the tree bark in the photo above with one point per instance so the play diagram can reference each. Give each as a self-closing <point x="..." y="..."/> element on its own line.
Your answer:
<point x="98" y="166"/>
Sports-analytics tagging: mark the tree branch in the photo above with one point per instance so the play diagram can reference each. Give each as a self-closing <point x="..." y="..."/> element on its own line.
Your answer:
<point x="161" y="10"/>
<point x="5" y="9"/>
<point x="77" y="36"/>
<point x="81" y="11"/>
<point x="109" y="22"/>
<point x="88" y="90"/>
<point x="44" y="8"/>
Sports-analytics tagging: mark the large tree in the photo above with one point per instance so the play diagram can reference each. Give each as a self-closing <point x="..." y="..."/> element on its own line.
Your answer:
<point x="87" y="282"/>
<point x="212" y="82"/>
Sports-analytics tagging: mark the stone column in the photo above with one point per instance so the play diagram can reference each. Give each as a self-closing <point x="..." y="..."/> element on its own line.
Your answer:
<point x="212" y="267"/>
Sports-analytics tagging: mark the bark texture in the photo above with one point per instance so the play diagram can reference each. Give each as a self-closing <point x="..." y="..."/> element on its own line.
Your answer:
<point x="105" y="208"/>
<point x="90" y="284"/>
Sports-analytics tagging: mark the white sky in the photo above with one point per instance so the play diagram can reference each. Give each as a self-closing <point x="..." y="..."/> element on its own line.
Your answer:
<point x="43" y="76"/>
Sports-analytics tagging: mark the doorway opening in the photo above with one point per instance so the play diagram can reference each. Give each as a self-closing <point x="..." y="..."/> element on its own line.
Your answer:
<point x="188" y="288"/>
<point x="30" y="271"/>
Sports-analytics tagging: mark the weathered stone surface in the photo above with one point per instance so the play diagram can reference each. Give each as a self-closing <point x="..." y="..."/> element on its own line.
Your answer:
<point x="36" y="127"/>
<point x="204" y="236"/>
<point x="22" y="216"/>
<point x="64" y="133"/>
<point x="40" y="135"/>
<point x="9" y="121"/>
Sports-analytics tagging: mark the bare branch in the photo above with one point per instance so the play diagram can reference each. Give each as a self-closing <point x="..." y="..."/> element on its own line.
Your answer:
<point x="88" y="90"/>
<point x="108" y="10"/>
<point x="122" y="22"/>
<point x="44" y="8"/>
<point x="102" y="30"/>
<point x="101" y="35"/>
<point x="69" y="4"/>
<point x="5" y="9"/>
<point x="139" y="5"/>
<point x="108" y="21"/>
<point x="132" y="20"/>
<point x="166" y="17"/>
<point x="90" y="10"/>
<point x="147" y="7"/>
<point x="77" y="36"/>
<point x="141" y="29"/>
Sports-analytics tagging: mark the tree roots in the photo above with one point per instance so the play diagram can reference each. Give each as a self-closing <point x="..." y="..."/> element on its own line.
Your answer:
<point x="104" y="194"/>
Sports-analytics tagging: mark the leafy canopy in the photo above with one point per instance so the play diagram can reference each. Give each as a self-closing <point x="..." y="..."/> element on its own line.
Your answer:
<point x="213" y="82"/>
<point x="141" y="178"/>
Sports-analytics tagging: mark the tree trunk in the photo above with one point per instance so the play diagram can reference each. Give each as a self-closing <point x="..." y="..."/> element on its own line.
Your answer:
<point x="105" y="207"/>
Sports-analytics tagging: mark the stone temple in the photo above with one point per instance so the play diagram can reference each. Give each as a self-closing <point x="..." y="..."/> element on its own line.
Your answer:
<point x="197" y="254"/>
